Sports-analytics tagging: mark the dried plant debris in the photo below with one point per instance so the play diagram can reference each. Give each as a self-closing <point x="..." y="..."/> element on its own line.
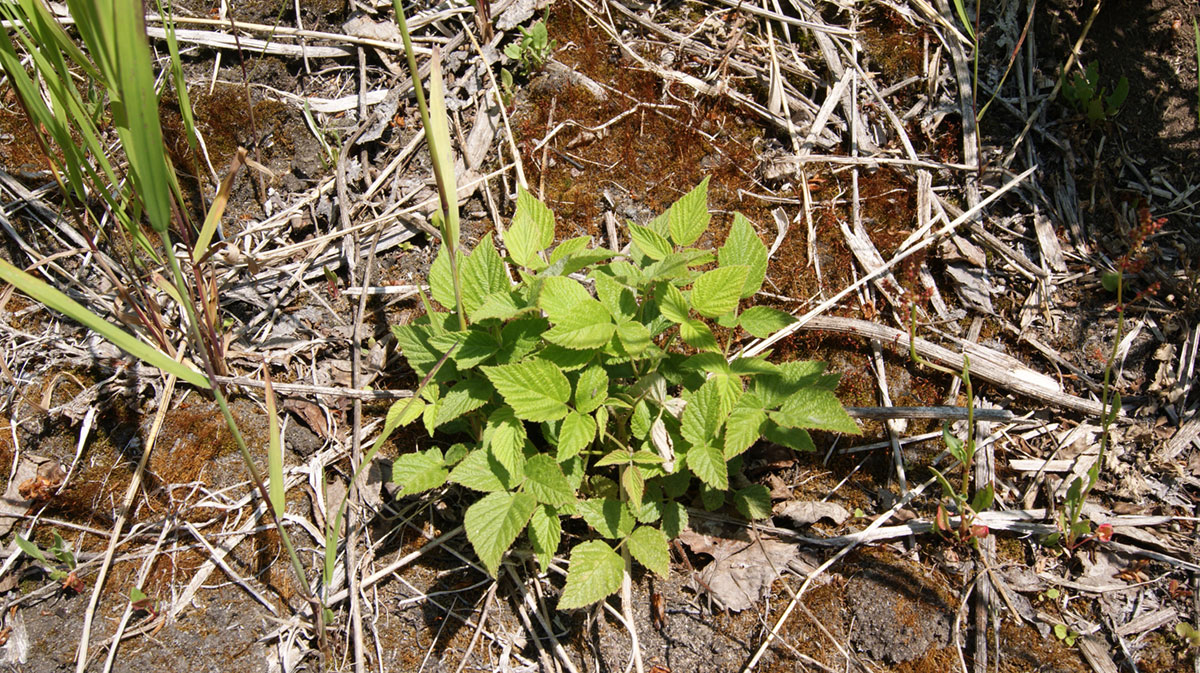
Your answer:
<point x="859" y="141"/>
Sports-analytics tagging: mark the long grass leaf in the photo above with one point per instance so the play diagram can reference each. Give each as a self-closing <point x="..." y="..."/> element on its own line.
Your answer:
<point x="217" y="210"/>
<point x="274" y="450"/>
<point x="961" y="8"/>
<point x="443" y="158"/>
<point x="55" y="300"/>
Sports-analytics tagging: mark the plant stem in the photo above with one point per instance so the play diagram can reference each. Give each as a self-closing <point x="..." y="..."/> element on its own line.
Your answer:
<point x="1107" y="398"/>
<point x="223" y="404"/>
<point x="449" y="241"/>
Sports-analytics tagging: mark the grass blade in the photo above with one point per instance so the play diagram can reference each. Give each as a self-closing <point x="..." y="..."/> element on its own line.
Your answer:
<point x="443" y="159"/>
<point x="57" y="301"/>
<point x="274" y="450"/>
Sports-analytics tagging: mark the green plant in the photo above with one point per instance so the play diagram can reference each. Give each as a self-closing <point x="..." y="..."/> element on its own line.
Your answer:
<point x="1084" y="92"/>
<point x="1072" y="529"/>
<point x="138" y="600"/>
<point x="567" y="405"/>
<point x="532" y="50"/>
<point x="1065" y="634"/>
<point x="1196" y="36"/>
<point x="957" y="501"/>
<point x="118" y="63"/>
<point x="1188" y="633"/>
<point x="56" y="572"/>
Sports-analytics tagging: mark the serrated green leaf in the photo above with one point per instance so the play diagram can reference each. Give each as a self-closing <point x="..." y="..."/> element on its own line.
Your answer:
<point x="569" y="247"/>
<point x="744" y="426"/>
<point x="504" y="432"/>
<point x="456" y="453"/>
<point x="717" y="292"/>
<point x="585" y="258"/>
<point x="634" y="483"/>
<point x="671" y="303"/>
<point x="744" y="247"/>
<point x="560" y="296"/>
<point x="531" y="209"/>
<point x="415" y="341"/>
<point x="708" y="463"/>
<point x="688" y="217"/>
<point x="609" y="517"/>
<point x="584" y="331"/>
<point x="477" y="347"/>
<point x="501" y="305"/>
<point x="535" y="389"/>
<point x="713" y="363"/>
<point x="531" y="231"/>
<point x="633" y="337"/>
<point x="577" y="432"/>
<point x="774" y="389"/>
<point x="545" y="534"/>
<point x="697" y="335"/>
<point x="793" y="438"/>
<point x="441" y="279"/>
<point x="493" y="524"/>
<point x="712" y="498"/>
<point x="482" y="274"/>
<point x="650" y="547"/>
<point x="419" y="471"/>
<point x="616" y="297"/>
<point x="480" y="471"/>
<point x="750" y="366"/>
<point x="545" y="480"/>
<point x="595" y="573"/>
<point x="403" y="412"/>
<point x="519" y="338"/>
<point x="640" y="421"/>
<point x="815" y="409"/>
<point x="678" y="266"/>
<point x="706" y="410"/>
<point x="467" y="395"/>
<point x="650" y="242"/>
<point x="566" y="359"/>
<point x="754" y="502"/>
<point x="763" y="321"/>
<point x="591" y="389"/>
<point x="674" y="519"/>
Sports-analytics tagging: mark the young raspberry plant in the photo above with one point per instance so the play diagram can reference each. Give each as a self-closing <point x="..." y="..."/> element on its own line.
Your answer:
<point x="593" y="389"/>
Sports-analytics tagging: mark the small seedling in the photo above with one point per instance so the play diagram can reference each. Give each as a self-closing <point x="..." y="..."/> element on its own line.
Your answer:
<point x="1049" y="595"/>
<point x="1072" y="529"/>
<point x="1067" y="635"/>
<point x="139" y="601"/>
<point x="56" y="571"/>
<point x="1188" y="633"/>
<point x="1084" y="92"/>
<point x="531" y="51"/>
<point x="957" y="501"/>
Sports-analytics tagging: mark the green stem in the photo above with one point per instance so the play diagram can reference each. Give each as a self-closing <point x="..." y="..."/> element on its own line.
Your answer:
<point x="222" y="403"/>
<point x="419" y="91"/>
<point x="968" y="464"/>
<point x="1107" y="398"/>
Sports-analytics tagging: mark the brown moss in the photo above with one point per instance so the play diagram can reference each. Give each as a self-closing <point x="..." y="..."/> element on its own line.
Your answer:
<point x="894" y="46"/>
<point x="651" y="157"/>
<point x="20" y="148"/>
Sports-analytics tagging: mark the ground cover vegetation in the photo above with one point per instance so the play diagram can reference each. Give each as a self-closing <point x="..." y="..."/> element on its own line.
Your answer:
<point x="596" y="318"/>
